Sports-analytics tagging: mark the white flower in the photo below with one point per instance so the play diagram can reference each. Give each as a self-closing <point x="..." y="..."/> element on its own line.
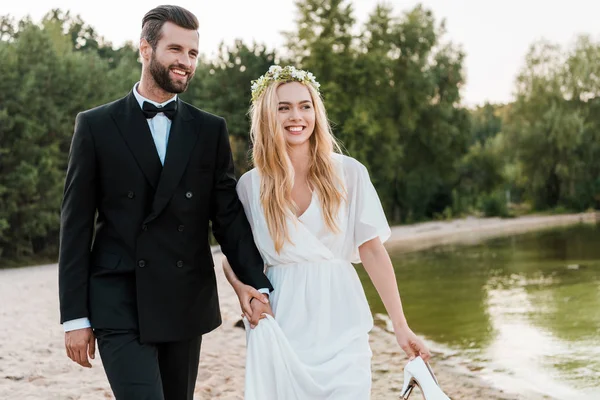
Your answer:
<point x="278" y="74"/>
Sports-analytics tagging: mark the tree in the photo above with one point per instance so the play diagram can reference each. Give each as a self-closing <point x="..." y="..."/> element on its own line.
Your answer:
<point x="46" y="82"/>
<point x="553" y="127"/>
<point x="392" y="95"/>
<point x="222" y="87"/>
<point x="485" y="122"/>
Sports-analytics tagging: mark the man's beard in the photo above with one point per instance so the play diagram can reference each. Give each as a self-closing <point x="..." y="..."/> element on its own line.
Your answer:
<point x="160" y="74"/>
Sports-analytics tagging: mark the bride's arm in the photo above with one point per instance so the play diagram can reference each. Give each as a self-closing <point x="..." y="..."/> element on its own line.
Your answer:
<point x="378" y="265"/>
<point x="245" y="293"/>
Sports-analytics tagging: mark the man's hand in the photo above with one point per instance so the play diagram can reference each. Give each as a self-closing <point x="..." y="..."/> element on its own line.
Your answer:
<point x="245" y="293"/>
<point x="259" y="309"/>
<point x="79" y="344"/>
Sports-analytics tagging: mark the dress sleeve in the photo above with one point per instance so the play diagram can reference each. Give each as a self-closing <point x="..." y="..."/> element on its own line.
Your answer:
<point x="243" y="188"/>
<point x="369" y="218"/>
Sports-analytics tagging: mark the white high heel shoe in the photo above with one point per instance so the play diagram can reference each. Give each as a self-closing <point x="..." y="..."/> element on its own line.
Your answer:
<point x="418" y="372"/>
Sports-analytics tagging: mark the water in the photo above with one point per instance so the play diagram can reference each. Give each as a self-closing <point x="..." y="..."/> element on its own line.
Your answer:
<point x="525" y="309"/>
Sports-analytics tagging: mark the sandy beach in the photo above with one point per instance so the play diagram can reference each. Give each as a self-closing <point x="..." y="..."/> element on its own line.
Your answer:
<point x="33" y="363"/>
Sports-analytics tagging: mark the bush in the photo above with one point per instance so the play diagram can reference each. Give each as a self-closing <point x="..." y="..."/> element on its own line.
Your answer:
<point x="494" y="205"/>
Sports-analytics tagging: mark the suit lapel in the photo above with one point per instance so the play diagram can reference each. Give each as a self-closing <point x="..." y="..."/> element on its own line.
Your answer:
<point x="134" y="129"/>
<point x="182" y="139"/>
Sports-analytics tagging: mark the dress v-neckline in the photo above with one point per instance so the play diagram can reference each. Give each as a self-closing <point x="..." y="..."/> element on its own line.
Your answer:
<point x="312" y="200"/>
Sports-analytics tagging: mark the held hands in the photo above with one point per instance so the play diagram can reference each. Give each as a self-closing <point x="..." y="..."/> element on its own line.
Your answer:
<point x="246" y="294"/>
<point x="412" y="345"/>
<point x="79" y="344"/>
<point x="259" y="311"/>
<point x="254" y="304"/>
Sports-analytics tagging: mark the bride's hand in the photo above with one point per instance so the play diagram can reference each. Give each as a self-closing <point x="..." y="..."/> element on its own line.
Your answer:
<point x="412" y="345"/>
<point x="245" y="294"/>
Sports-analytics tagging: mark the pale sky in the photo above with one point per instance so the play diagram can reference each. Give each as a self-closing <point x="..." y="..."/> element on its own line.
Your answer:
<point x="494" y="34"/>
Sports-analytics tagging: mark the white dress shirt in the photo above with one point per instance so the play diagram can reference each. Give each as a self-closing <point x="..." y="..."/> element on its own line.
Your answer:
<point x="160" y="127"/>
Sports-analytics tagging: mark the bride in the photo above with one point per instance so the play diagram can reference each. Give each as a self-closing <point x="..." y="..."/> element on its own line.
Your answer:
<point x="313" y="213"/>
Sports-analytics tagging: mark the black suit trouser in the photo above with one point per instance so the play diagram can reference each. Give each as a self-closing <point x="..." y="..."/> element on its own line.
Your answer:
<point x="142" y="371"/>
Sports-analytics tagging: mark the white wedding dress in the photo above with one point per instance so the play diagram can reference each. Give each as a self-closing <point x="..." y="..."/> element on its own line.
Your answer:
<point x="317" y="346"/>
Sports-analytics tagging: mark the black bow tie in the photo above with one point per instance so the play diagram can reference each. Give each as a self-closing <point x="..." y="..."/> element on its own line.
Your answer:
<point x="150" y="110"/>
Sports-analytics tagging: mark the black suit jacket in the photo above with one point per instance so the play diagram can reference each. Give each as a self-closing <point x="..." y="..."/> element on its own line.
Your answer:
<point x="134" y="249"/>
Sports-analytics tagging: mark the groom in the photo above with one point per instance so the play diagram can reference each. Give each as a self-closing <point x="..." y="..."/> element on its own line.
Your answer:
<point x="146" y="174"/>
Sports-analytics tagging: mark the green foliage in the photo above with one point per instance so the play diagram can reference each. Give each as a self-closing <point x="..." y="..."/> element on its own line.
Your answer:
<point x="554" y="125"/>
<point x="481" y="172"/>
<point x="485" y="122"/>
<point x="222" y="87"/>
<point x="392" y="91"/>
<point x="494" y="205"/>
<point x="46" y="82"/>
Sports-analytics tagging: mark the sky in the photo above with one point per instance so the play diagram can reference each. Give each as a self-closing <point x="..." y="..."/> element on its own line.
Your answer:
<point x="495" y="35"/>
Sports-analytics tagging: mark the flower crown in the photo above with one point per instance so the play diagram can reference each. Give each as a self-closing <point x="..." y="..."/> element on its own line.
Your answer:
<point x="286" y="74"/>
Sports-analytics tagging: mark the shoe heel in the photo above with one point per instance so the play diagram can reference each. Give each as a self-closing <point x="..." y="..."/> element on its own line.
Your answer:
<point x="408" y="386"/>
<point x="408" y="390"/>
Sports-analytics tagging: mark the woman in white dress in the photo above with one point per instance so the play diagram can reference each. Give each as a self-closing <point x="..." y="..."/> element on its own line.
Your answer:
<point x="313" y="213"/>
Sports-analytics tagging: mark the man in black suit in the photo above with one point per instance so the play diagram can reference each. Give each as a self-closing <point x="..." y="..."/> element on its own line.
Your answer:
<point x="146" y="174"/>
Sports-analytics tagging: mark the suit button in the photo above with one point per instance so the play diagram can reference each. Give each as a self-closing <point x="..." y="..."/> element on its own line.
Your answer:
<point x="180" y="228"/>
<point x="141" y="263"/>
<point x="144" y="227"/>
<point x="189" y="195"/>
<point x="179" y="264"/>
<point x="130" y="194"/>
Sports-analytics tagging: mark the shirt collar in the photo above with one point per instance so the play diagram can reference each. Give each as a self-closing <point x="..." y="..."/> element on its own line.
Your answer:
<point x="141" y="99"/>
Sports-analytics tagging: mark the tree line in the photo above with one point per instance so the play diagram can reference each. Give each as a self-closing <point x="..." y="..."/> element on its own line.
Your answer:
<point x="392" y="88"/>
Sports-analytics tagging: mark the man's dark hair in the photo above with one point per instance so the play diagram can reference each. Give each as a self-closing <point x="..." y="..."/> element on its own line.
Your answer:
<point x="154" y="20"/>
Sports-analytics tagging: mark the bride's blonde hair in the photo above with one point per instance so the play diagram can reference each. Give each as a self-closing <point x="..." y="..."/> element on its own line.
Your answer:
<point x="271" y="159"/>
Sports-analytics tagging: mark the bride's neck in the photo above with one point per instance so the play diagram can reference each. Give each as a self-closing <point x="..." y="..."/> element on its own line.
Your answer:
<point x="300" y="158"/>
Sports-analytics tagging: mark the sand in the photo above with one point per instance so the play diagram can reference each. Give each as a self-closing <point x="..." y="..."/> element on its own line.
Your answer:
<point x="33" y="363"/>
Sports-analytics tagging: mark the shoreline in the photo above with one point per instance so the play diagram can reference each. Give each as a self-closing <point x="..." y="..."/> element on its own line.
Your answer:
<point x="33" y="364"/>
<point x="472" y="230"/>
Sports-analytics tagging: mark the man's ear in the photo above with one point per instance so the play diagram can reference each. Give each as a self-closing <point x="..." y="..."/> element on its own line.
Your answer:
<point x="145" y="50"/>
